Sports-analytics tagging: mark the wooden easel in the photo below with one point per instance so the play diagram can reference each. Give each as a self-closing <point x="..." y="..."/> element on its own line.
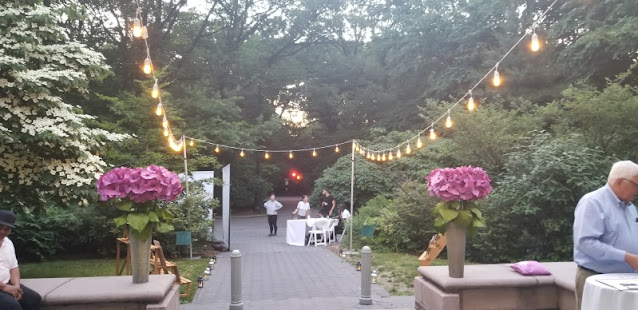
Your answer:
<point x="436" y="245"/>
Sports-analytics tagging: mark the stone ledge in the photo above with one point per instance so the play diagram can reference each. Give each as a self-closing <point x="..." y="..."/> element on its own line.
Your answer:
<point x="116" y="292"/>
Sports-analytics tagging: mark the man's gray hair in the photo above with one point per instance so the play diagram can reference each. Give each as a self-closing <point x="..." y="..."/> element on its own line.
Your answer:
<point x="626" y="169"/>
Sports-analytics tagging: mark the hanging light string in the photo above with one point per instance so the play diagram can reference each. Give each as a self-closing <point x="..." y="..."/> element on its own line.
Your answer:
<point x="492" y="70"/>
<point x="369" y="153"/>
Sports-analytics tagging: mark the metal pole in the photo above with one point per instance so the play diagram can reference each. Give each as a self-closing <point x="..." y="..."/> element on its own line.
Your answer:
<point x="366" y="269"/>
<point x="235" y="281"/>
<point x="190" y="245"/>
<point x="352" y="196"/>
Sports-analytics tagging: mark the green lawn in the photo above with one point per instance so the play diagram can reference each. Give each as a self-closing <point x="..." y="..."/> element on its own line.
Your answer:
<point x="190" y="269"/>
<point x="396" y="271"/>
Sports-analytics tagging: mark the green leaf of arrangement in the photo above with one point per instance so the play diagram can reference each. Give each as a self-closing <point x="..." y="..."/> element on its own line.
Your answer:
<point x="164" y="228"/>
<point x="448" y="214"/>
<point x="439" y="222"/>
<point x="464" y="218"/>
<point x="124" y="206"/>
<point x="166" y="215"/>
<point x="478" y="222"/>
<point x="456" y="205"/>
<point x="137" y="221"/>
<point x="144" y="234"/>
<point x="477" y="212"/>
<point x="120" y="220"/>
<point x="152" y="216"/>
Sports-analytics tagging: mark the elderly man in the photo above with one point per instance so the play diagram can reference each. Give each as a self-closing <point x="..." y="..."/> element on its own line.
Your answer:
<point x="13" y="295"/>
<point x="606" y="227"/>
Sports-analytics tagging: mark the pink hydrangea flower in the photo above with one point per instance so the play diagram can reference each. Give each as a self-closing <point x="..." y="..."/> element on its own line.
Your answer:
<point x="461" y="183"/>
<point x="139" y="184"/>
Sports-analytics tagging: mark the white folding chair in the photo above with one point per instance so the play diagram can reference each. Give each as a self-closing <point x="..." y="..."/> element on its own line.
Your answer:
<point x="332" y="234"/>
<point x="346" y="224"/>
<point x="318" y="229"/>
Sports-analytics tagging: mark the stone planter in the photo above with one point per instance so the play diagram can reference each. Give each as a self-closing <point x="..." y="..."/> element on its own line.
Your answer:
<point x="456" y="237"/>
<point x="140" y="258"/>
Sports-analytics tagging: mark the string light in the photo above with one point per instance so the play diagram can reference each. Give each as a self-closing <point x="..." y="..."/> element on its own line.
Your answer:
<point x="448" y="121"/>
<point x="314" y="153"/>
<point x="390" y="157"/>
<point x="217" y="149"/>
<point x="155" y="92"/>
<point x="192" y="143"/>
<point x="165" y="122"/>
<point x="408" y="150"/>
<point x="267" y="156"/>
<point x="137" y="27"/>
<point x="165" y="131"/>
<point x="242" y="153"/>
<point x="470" y="103"/>
<point x="148" y="66"/>
<point x="398" y="153"/>
<point x="337" y="149"/>
<point x="144" y="33"/>
<point x="497" y="77"/>
<point x="367" y="155"/>
<point x="419" y="144"/>
<point x="383" y="158"/>
<point x="290" y="155"/>
<point x="158" y="110"/>
<point x="432" y="133"/>
<point x="535" y="46"/>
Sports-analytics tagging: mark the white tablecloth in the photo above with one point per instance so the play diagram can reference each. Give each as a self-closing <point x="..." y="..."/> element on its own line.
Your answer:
<point x="296" y="232"/>
<point x="603" y="296"/>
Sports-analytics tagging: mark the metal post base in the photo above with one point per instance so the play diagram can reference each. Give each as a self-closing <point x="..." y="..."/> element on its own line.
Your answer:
<point x="365" y="301"/>
<point x="239" y="306"/>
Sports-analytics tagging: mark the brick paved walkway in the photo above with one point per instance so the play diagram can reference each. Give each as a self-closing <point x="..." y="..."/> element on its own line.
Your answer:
<point x="277" y="276"/>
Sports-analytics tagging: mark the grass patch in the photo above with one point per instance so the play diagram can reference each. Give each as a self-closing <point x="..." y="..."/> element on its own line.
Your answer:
<point x="190" y="269"/>
<point x="396" y="271"/>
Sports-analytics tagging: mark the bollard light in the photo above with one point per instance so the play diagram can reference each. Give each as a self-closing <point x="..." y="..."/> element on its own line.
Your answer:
<point x="374" y="277"/>
<point x="358" y="266"/>
<point x="200" y="282"/>
<point x="340" y="252"/>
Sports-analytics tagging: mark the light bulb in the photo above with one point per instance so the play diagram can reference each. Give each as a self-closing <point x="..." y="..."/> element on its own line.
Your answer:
<point x="374" y="156"/>
<point x="419" y="144"/>
<point x="314" y="153"/>
<point x="165" y="131"/>
<point x="432" y="133"/>
<point x="290" y="155"/>
<point x="137" y="27"/>
<point x="148" y="67"/>
<point x="164" y="122"/>
<point x="144" y="33"/>
<point x="448" y="121"/>
<point x="158" y="110"/>
<point x="535" y="44"/>
<point x="367" y="155"/>
<point x="242" y="153"/>
<point x="217" y="149"/>
<point x="390" y="157"/>
<point x="155" y="92"/>
<point x="497" y="77"/>
<point x="383" y="158"/>
<point x="192" y="143"/>
<point x="337" y="149"/>
<point x="408" y="150"/>
<point x="398" y="153"/>
<point x="470" y="104"/>
<point x="267" y="156"/>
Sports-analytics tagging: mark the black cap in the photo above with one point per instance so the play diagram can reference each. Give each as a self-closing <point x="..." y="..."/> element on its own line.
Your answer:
<point x="7" y="218"/>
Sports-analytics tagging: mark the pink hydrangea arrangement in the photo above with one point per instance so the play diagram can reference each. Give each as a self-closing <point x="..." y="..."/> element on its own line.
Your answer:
<point x="459" y="188"/>
<point x="138" y="191"/>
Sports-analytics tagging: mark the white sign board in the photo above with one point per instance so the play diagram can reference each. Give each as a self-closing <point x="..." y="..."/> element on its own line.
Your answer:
<point x="226" y="205"/>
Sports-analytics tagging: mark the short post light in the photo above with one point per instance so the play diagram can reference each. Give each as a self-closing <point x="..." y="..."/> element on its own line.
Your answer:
<point x="373" y="277"/>
<point x="358" y="266"/>
<point x="200" y="282"/>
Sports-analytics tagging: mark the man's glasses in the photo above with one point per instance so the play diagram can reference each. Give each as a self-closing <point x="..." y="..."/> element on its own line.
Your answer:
<point x="630" y="181"/>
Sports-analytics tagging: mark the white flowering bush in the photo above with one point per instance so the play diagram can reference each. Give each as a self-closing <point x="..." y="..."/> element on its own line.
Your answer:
<point x="47" y="151"/>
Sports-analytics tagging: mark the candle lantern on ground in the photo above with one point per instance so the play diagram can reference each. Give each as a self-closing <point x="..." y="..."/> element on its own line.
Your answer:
<point x="340" y="252"/>
<point x="200" y="282"/>
<point x="373" y="277"/>
<point x="214" y="259"/>
<point x="206" y="273"/>
<point x="358" y="266"/>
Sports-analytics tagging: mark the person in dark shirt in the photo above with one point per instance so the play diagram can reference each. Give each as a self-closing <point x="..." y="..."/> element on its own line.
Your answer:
<point x="328" y="204"/>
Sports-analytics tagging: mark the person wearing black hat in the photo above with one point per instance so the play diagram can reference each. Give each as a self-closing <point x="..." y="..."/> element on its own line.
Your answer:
<point x="13" y="295"/>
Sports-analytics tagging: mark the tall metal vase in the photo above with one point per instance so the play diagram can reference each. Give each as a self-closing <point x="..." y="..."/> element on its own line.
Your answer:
<point x="456" y="237"/>
<point x="140" y="258"/>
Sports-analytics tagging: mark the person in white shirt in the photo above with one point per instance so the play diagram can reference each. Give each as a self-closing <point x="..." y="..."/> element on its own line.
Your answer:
<point x="344" y="215"/>
<point x="303" y="208"/>
<point x="13" y="295"/>
<point x="272" y="206"/>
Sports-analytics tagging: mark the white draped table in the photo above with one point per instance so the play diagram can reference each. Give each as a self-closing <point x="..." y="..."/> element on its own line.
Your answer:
<point x="296" y="232"/>
<point x="612" y="291"/>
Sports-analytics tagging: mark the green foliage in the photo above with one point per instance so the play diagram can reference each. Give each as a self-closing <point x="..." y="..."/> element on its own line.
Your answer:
<point x="530" y="212"/>
<point x="465" y="213"/>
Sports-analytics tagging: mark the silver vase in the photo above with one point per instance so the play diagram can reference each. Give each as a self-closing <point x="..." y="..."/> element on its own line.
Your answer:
<point x="456" y="237"/>
<point x="140" y="258"/>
